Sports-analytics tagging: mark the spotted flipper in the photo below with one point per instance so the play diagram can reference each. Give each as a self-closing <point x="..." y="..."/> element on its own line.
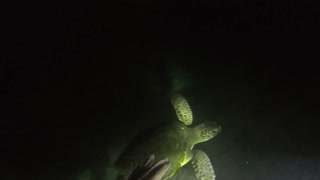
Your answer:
<point x="182" y="109"/>
<point x="202" y="166"/>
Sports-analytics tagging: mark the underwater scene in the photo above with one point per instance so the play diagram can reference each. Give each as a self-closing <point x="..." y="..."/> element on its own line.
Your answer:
<point x="159" y="90"/>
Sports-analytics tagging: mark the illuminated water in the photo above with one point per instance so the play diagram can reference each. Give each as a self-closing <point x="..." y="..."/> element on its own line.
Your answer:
<point x="109" y="69"/>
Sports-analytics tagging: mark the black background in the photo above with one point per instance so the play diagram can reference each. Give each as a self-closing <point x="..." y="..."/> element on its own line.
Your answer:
<point x="79" y="79"/>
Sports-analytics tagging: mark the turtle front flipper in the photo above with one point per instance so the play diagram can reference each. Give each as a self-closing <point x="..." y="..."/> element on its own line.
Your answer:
<point x="202" y="166"/>
<point x="182" y="108"/>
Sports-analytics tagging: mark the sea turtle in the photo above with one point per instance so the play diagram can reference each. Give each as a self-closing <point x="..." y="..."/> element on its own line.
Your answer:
<point x="174" y="140"/>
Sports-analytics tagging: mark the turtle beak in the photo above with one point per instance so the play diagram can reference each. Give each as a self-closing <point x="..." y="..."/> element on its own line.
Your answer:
<point x="215" y="127"/>
<point x="215" y="132"/>
<point x="218" y="130"/>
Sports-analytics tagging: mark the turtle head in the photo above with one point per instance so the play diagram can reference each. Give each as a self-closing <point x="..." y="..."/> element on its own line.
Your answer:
<point x="205" y="131"/>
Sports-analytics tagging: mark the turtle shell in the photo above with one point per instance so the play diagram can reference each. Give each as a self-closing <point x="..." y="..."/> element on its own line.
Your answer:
<point x="169" y="140"/>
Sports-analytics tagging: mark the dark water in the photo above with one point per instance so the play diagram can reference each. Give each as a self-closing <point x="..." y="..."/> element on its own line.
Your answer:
<point x="67" y="113"/>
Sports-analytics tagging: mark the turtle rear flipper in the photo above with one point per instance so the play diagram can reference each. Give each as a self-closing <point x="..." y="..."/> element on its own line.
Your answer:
<point x="202" y="166"/>
<point x="182" y="108"/>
